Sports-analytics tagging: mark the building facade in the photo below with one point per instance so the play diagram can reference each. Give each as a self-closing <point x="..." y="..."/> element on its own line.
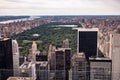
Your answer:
<point x="100" y="69"/>
<point x="87" y="41"/>
<point x="15" y="51"/>
<point x="79" y="67"/>
<point x="42" y="70"/>
<point x="6" y="58"/>
<point x="115" y="55"/>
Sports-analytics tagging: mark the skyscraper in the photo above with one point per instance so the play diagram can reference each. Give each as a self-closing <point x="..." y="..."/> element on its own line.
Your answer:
<point x="9" y="58"/>
<point x="27" y="69"/>
<point x="87" y="41"/>
<point x="32" y="52"/>
<point x="115" y="55"/>
<point x="15" y="51"/>
<point x="62" y="63"/>
<point x="34" y="47"/>
<point x="79" y="67"/>
<point x="100" y="68"/>
<point x="6" y="58"/>
<point x="66" y="43"/>
<point x="51" y="57"/>
<point x="59" y="65"/>
<point x="41" y="70"/>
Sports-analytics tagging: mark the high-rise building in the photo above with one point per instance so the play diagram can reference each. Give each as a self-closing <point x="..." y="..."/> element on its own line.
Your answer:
<point x="100" y="68"/>
<point x="79" y="67"/>
<point x="27" y="69"/>
<point x="62" y="63"/>
<point x="59" y="65"/>
<point x="34" y="47"/>
<point x="115" y="55"/>
<point x="87" y="41"/>
<point x="51" y="57"/>
<point x="66" y="43"/>
<point x="41" y="70"/>
<point x="32" y="52"/>
<point x="15" y="51"/>
<point x="6" y="58"/>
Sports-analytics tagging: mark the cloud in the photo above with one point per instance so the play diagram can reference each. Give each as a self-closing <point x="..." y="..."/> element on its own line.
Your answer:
<point x="60" y="7"/>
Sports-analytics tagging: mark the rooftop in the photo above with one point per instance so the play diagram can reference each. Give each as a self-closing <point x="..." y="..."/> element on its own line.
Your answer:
<point x="86" y="29"/>
<point x="19" y="78"/>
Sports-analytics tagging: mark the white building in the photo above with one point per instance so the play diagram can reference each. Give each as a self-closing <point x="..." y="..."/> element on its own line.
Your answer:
<point x="27" y="69"/>
<point x="115" y="55"/>
<point x="100" y="69"/>
<point x="15" y="51"/>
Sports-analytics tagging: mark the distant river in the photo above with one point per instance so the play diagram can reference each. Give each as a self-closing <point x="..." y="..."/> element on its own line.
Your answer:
<point x="16" y="20"/>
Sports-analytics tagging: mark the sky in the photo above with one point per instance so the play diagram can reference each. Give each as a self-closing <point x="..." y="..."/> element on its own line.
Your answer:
<point x="59" y="7"/>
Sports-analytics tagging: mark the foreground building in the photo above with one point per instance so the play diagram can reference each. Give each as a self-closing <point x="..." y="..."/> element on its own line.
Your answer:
<point x="100" y="69"/>
<point x="62" y="63"/>
<point x="6" y="58"/>
<point x="115" y="55"/>
<point x="87" y="41"/>
<point x="79" y="67"/>
<point x="16" y="60"/>
<point x="27" y="69"/>
<point x="9" y="58"/>
<point x="41" y="70"/>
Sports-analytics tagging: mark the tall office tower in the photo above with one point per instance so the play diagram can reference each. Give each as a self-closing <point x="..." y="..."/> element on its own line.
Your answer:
<point x="62" y="63"/>
<point x="100" y="69"/>
<point x="115" y="55"/>
<point x="34" y="47"/>
<point x="67" y="61"/>
<point x="66" y="43"/>
<point x="51" y="57"/>
<point x="27" y="69"/>
<point x="79" y="67"/>
<point x="15" y="51"/>
<point x="87" y="41"/>
<point x="41" y="70"/>
<point x="6" y="58"/>
<point x="32" y="52"/>
<point x="59" y="65"/>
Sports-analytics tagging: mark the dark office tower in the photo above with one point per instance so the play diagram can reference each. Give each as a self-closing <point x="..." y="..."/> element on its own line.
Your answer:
<point x="67" y="61"/>
<point x="62" y="63"/>
<point x="87" y="41"/>
<point x="6" y="59"/>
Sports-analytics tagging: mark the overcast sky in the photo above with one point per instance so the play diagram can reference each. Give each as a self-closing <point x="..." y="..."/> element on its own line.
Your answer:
<point x="59" y="7"/>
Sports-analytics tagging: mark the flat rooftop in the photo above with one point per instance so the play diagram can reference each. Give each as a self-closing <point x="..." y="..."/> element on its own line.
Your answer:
<point x="42" y="63"/>
<point x="4" y="39"/>
<point x="86" y="29"/>
<point x="26" y="65"/>
<point x="19" y="78"/>
<point x="100" y="59"/>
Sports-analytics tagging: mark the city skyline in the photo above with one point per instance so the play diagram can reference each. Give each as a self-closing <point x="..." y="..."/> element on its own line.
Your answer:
<point x="61" y="7"/>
